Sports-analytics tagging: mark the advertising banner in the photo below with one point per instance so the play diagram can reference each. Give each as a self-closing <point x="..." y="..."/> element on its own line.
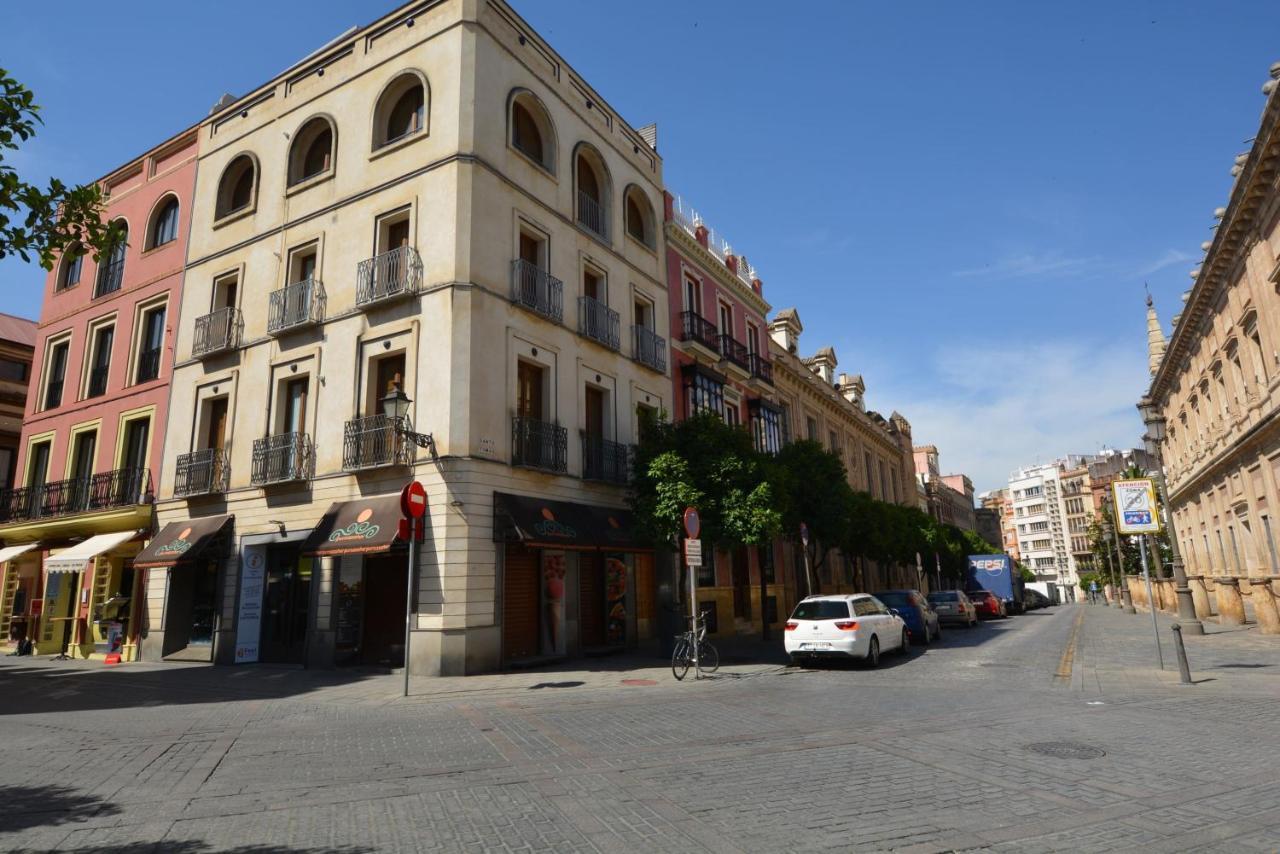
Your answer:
<point x="1135" y="506"/>
<point x="253" y="573"/>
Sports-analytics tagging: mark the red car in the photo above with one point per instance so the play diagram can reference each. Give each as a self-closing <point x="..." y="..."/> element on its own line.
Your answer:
<point x="988" y="604"/>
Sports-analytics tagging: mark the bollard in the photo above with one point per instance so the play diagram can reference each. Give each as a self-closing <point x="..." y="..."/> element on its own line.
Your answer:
<point x="1184" y="669"/>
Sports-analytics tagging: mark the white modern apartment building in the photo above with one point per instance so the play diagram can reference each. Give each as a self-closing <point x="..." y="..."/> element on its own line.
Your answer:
<point x="1039" y="516"/>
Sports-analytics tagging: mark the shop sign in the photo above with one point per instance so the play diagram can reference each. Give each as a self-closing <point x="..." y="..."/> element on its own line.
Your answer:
<point x="253" y="572"/>
<point x="177" y="547"/>
<point x="547" y="526"/>
<point x="360" y="529"/>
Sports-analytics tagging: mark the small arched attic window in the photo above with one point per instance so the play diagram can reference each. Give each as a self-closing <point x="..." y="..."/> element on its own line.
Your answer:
<point x="593" y="191"/>
<point x="530" y="129"/>
<point x="237" y="187"/>
<point x="71" y="267"/>
<point x="401" y="110"/>
<point x="311" y="152"/>
<point x="164" y="224"/>
<point x="639" y="215"/>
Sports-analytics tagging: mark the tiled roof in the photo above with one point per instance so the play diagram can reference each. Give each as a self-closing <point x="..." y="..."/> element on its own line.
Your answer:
<point x="18" y="330"/>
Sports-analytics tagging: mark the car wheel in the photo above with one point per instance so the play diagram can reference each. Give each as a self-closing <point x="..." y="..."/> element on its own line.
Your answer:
<point x="873" y="652"/>
<point x="905" y="646"/>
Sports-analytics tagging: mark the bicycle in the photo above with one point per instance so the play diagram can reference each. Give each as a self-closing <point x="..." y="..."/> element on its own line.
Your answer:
<point x="682" y="655"/>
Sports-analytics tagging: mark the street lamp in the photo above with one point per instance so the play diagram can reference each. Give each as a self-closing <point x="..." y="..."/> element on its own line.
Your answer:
<point x="1154" y="440"/>
<point x="395" y="406"/>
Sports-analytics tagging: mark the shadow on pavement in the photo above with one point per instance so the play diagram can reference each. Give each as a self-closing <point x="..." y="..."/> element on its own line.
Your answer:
<point x="40" y="686"/>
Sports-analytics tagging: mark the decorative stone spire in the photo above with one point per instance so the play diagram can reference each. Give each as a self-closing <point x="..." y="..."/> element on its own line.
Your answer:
<point x="1155" y="338"/>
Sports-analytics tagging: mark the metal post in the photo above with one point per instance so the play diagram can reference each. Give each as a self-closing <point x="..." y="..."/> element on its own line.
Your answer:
<point x="693" y="618"/>
<point x="1125" y="596"/>
<point x="808" y="573"/>
<point x="1184" y="669"/>
<point x="1186" y="604"/>
<point x="1146" y="576"/>
<point x="408" y="599"/>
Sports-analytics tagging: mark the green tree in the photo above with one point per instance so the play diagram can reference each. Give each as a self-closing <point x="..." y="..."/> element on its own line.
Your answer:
<point x="41" y="223"/>
<point x="812" y="488"/>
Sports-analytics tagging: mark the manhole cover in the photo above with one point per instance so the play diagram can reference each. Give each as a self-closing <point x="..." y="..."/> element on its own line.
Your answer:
<point x="1066" y="750"/>
<point x="640" y="682"/>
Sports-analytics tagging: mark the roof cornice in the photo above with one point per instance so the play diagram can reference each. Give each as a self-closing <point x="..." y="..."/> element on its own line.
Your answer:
<point x="688" y="244"/>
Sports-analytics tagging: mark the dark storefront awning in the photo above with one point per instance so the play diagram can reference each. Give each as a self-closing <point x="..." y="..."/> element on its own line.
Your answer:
<point x="366" y="526"/>
<point x="537" y="521"/>
<point x="182" y="542"/>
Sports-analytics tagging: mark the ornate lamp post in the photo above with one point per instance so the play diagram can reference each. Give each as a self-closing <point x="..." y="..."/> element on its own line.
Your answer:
<point x="1153" y="440"/>
<point x="395" y="406"/>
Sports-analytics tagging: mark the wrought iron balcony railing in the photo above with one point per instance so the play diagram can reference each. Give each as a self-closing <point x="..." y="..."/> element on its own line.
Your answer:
<point x="282" y="458"/>
<point x="537" y="290"/>
<point x="148" y="364"/>
<point x="110" y="277"/>
<point x="217" y="332"/>
<point x="598" y="322"/>
<point x="91" y="494"/>
<point x="696" y="328"/>
<point x="206" y="472"/>
<point x="761" y="368"/>
<point x="388" y="276"/>
<point x="538" y="444"/>
<point x="649" y="348"/>
<point x="376" y="441"/>
<point x="296" y="305"/>
<point x="592" y="216"/>
<point x="735" y="351"/>
<point x="605" y="460"/>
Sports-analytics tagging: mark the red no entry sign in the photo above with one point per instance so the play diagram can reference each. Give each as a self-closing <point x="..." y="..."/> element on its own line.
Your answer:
<point x="413" y="500"/>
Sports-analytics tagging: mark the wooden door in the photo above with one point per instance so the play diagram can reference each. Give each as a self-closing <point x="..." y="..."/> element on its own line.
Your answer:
<point x="591" y="600"/>
<point x="529" y="391"/>
<point x="529" y="253"/>
<point x="216" y="434"/>
<point x="646" y="596"/>
<point x="520" y="603"/>
<point x="595" y="412"/>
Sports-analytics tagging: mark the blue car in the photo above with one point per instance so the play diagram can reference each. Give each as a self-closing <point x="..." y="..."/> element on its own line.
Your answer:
<point x="916" y="612"/>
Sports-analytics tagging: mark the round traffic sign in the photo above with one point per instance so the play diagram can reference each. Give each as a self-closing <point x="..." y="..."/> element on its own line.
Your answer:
<point x="413" y="500"/>
<point x="692" y="523"/>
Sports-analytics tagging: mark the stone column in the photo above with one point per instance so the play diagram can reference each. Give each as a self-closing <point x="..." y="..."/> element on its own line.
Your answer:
<point x="1230" y="605"/>
<point x="1199" y="596"/>
<point x="1264" y="605"/>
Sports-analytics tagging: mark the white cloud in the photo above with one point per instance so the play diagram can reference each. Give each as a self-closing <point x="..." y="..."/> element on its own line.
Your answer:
<point x="994" y="409"/>
<point x="1168" y="259"/>
<point x="1052" y="263"/>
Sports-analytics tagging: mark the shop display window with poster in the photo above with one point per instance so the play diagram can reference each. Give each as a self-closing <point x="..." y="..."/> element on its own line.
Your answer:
<point x="554" y="566"/>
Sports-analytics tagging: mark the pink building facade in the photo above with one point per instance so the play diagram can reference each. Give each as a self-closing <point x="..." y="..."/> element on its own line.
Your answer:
<point x="93" y="433"/>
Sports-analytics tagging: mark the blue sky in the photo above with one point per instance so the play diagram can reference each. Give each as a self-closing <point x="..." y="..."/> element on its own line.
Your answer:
<point x="963" y="199"/>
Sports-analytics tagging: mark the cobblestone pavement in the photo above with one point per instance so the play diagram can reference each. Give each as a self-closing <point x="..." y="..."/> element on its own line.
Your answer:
<point x="1047" y="732"/>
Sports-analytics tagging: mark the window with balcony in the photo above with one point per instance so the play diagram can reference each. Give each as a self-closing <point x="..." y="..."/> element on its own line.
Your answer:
<point x="219" y="330"/>
<point x="237" y="188"/>
<point x="648" y="347"/>
<point x="703" y="391"/>
<point x="395" y="270"/>
<point x="595" y="319"/>
<point x="401" y="111"/>
<point x="302" y="301"/>
<point x="287" y="454"/>
<point x="372" y="439"/>
<point x="532" y="133"/>
<point x="164" y="224"/>
<point x="84" y="449"/>
<point x="71" y="266"/>
<point x="536" y="441"/>
<point x="311" y="151"/>
<point x="111" y="269"/>
<point x="99" y="368"/>
<point x="150" y="344"/>
<point x="766" y="426"/>
<point x="206" y="470"/>
<point x="56" y="373"/>
<point x="811" y="428"/>
<point x="602" y="458"/>
<point x="532" y="285"/>
<point x="640" y="219"/>
<point x="592" y="186"/>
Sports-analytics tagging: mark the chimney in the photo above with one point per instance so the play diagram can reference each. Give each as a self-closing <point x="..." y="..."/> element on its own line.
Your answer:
<point x="785" y="329"/>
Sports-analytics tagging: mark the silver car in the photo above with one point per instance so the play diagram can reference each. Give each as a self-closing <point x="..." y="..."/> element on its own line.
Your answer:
<point x="954" y="607"/>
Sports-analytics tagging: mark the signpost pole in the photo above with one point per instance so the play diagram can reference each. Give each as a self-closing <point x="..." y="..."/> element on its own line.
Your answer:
<point x="693" y="620"/>
<point x="693" y="531"/>
<point x="408" y="598"/>
<point x="1146" y="577"/>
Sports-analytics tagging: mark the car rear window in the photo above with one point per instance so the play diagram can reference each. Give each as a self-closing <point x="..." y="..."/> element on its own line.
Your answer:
<point x="979" y="594"/>
<point x="894" y="599"/>
<point x="943" y="597"/>
<point x="822" y="609"/>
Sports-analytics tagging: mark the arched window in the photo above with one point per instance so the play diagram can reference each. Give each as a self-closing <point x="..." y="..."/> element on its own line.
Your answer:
<point x="639" y="215"/>
<point x="111" y="270"/>
<point x="311" y="153"/>
<point x="72" y="264"/>
<point x="237" y="186"/>
<point x="164" y="224"/>
<point x="531" y="131"/>
<point x="402" y="110"/>
<point x="593" y="191"/>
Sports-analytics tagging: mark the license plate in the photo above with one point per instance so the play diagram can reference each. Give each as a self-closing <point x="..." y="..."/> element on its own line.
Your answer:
<point x="815" y="646"/>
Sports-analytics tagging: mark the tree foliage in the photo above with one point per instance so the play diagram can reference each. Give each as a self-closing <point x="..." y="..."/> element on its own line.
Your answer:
<point x="41" y="223"/>
<point x="813" y="488"/>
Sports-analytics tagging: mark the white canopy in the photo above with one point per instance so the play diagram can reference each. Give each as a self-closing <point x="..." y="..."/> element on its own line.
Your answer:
<point x="8" y="553"/>
<point x="75" y="558"/>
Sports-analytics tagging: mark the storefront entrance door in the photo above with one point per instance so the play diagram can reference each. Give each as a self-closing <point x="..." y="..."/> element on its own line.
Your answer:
<point x="591" y="599"/>
<point x="521" y="582"/>
<point x="288" y="598"/>
<point x="384" y="601"/>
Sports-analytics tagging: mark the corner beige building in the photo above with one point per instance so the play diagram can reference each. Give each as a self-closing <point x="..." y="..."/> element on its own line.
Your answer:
<point x="432" y="207"/>
<point x="1216" y="384"/>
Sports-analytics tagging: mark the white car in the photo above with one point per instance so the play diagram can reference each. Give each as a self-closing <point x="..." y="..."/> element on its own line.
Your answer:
<point x="851" y="626"/>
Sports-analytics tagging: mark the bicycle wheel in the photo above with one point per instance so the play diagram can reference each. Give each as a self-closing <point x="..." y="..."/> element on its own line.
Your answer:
<point x="680" y="659"/>
<point x="708" y="658"/>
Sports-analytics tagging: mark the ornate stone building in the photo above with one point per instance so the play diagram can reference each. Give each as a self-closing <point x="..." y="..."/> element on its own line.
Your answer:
<point x="1216" y="383"/>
